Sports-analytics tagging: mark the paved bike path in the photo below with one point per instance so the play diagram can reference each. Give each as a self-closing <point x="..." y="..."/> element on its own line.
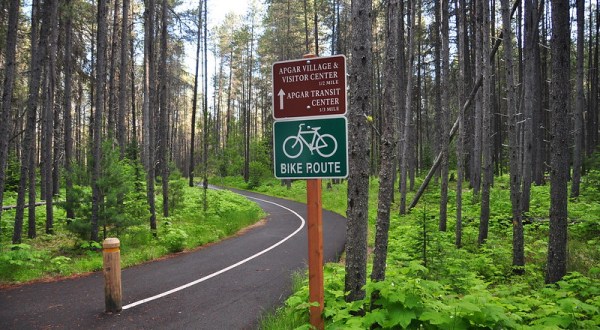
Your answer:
<point x="229" y="284"/>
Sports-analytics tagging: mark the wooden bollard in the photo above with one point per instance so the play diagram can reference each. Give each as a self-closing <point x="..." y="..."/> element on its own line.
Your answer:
<point x="111" y="255"/>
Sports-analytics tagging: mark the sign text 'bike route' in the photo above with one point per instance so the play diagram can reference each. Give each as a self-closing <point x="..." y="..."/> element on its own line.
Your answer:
<point x="311" y="148"/>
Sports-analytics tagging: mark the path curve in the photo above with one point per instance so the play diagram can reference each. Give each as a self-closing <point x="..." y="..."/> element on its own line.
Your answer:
<point x="227" y="285"/>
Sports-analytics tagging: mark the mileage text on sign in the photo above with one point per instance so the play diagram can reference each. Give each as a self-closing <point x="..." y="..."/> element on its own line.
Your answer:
<point x="309" y="87"/>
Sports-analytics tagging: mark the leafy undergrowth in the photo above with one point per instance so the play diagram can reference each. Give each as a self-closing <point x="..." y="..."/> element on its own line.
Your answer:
<point x="65" y="253"/>
<point x="431" y="284"/>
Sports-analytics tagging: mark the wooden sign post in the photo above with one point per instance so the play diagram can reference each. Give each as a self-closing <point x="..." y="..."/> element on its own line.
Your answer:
<point x="315" y="251"/>
<point x="310" y="141"/>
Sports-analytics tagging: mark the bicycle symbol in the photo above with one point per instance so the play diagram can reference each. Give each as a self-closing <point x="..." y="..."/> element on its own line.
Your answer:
<point x="324" y="144"/>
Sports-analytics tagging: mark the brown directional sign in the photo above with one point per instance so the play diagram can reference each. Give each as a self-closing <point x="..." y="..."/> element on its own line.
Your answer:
<point x="309" y="87"/>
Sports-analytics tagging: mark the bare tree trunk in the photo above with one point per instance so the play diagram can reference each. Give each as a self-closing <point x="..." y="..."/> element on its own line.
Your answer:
<point x="7" y="92"/>
<point x="134" y="131"/>
<point x="358" y="179"/>
<point x="461" y="13"/>
<point x="306" y="35"/>
<point x="580" y="105"/>
<point x="112" y="109"/>
<point x="31" y="224"/>
<point x="593" y="112"/>
<point x="163" y="133"/>
<point x="205" y="112"/>
<point x="97" y="198"/>
<point x="476" y="153"/>
<point x="148" y="109"/>
<point x="445" y="141"/>
<point x="229" y="115"/>
<point x="513" y="145"/>
<point x="68" y="72"/>
<point x="48" y="112"/>
<point x="388" y="142"/>
<point x="247" y="107"/>
<point x="27" y="179"/>
<point x="121" y="132"/>
<point x="539" y="114"/>
<point x="530" y="84"/>
<point x="402" y="80"/>
<point x="437" y="104"/>
<point x="195" y="98"/>
<point x="408" y="111"/>
<point x="486" y="121"/>
<point x="560" y="87"/>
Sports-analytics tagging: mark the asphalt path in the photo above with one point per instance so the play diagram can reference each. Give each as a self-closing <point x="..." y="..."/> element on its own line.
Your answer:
<point x="227" y="285"/>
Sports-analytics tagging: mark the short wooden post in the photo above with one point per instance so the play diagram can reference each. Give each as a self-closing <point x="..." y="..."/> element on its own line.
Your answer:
<point x="315" y="251"/>
<point x="111" y="255"/>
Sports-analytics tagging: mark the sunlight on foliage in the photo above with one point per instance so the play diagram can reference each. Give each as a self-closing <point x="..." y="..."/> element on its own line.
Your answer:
<point x="69" y="251"/>
<point x="432" y="285"/>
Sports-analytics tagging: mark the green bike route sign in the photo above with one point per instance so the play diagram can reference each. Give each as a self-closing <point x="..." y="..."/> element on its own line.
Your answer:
<point x="311" y="148"/>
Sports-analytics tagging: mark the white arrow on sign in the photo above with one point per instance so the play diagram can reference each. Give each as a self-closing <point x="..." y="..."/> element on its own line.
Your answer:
<point x="281" y="95"/>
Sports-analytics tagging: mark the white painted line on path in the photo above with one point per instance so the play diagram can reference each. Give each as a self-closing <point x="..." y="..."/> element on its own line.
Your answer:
<point x="185" y="286"/>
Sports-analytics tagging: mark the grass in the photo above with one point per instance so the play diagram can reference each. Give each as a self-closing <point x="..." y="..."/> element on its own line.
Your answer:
<point x="285" y="317"/>
<point x="66" y="254"/>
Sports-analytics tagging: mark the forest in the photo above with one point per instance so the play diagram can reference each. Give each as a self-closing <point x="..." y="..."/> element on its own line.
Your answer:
<point x="473" y="194"/>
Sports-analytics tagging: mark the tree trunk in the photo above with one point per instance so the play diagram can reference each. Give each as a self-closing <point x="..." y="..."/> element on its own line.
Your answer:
<point x="246" y="108"/>
<point x="388" y="142"/>
<point x="539" y="113"/>
<point x="358" y="179"/>
<point x="134" y="131"/>
<point x="437" y="104"/>
<point x="593" y="112"/>
<point x="121" y="132"/>
<point x="7" y="92"/>
<point x="559" y="95"/>
<point x="406" y="150"/>
<point x="205" y="112"/>
<point x="530" y="85"/>
<point x="68" y="70"/>
<point x="486" y="124"/>
<point x="513" y="144"/>
<point x="445" y="140"/>
<point x="306" y="35"/>
<point x="476" y="153"/>
<point x="461" y="14"/>
<point x="97" y="198"/>
<point x="148" y="109"/>
<point x="580" y="103"/>
<point x="38" y="49"/>
<point x="195" y="98"/>
<point x="163" y="133"/>
<point x="48" y="112"/>
<point x="111" y="110"/>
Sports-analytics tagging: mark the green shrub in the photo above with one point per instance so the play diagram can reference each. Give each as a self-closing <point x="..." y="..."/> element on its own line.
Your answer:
<point x="174" y="239"/>
<point x="591" y="182"/>
<point x="176" y="193"/>
<point x="20" y="260"/>
<point x="124" y="204"/>
<point x="13" y="173"/>
<point x="80" y="226"/>
<point x="258" y="172"/>
<point x="60" y="263"/>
